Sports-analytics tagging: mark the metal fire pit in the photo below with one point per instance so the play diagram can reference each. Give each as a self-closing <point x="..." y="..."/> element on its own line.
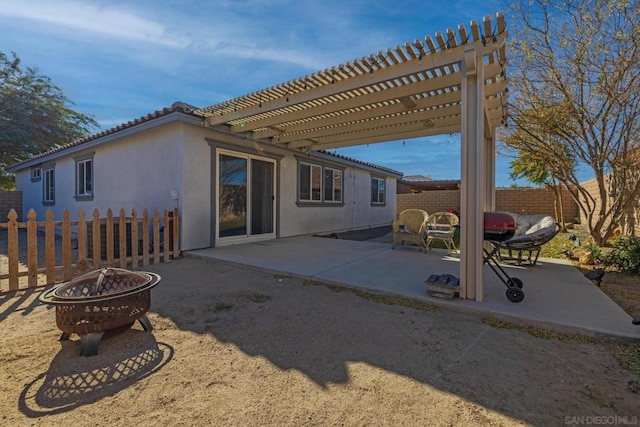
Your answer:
<point x="99" y="301"/>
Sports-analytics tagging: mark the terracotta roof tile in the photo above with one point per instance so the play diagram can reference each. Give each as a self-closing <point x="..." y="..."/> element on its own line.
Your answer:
<point x="371" y="165"/>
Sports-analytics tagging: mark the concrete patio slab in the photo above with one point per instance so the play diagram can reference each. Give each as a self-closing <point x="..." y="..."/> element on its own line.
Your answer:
<point x="557" y="295"/>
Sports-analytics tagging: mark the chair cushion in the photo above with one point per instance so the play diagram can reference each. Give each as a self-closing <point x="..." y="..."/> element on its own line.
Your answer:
<point x="537" y="228"/>
<point x="544" y="222"/>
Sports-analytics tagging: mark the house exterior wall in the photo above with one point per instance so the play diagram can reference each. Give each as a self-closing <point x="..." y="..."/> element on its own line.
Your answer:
<point x="136" y="171"/>
<point x="196" y="191"/>
<point x="293" y="218"/>
<point x="171" y="163"/>
<point x="355" y="212"/>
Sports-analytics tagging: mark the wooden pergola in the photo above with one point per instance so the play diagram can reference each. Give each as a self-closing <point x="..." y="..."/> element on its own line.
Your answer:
<point x="452" y="83"/>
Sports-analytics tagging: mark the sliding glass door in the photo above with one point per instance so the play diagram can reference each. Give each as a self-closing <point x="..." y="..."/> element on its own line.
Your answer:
<point x="246" y="197"/>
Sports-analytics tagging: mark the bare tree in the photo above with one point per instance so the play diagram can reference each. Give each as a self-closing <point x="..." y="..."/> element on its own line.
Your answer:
<point x="574" y="75"/>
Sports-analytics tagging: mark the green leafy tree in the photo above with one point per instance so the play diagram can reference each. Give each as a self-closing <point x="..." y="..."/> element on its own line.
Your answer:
<point x="574" y="72"/>
<point x="34" y="116"/>
<point x="527" y="166"/>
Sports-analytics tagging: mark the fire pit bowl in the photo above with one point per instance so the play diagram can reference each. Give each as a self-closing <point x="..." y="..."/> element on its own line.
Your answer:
<point x="100" y="301"/>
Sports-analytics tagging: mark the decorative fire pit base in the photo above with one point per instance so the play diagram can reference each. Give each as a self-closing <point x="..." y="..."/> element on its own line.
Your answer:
<point x="100" y="301"/>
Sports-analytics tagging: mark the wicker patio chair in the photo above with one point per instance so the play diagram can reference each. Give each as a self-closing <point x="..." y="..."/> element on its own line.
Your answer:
<point x="441" y="226"/>
<point x="411" y="226"/>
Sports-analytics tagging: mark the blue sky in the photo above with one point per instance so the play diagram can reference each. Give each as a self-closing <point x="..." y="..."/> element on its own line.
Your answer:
<point x="119" y="60"/>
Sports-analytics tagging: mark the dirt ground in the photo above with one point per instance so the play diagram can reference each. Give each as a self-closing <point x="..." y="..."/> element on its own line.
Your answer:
<point x="242" y="347"/>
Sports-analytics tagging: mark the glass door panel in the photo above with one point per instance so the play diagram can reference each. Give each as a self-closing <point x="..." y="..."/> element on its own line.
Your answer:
<point x="232" y="196"/>
<point x="262" y="197"/>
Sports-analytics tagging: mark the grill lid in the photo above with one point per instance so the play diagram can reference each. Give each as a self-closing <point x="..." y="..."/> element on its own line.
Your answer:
<point x="499" y="226"/>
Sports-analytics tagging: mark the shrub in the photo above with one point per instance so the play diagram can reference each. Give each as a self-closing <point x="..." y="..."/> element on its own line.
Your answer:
<point x="595" y="251"/>
<point x="625" y="255"/>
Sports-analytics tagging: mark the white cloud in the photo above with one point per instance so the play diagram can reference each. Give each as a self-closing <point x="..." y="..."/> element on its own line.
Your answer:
<point x="224" y="31"/>
<point x="103" y="20"/>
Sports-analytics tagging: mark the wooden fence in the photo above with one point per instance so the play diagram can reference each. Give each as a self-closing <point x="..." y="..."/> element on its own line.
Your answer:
<point x="72" y="247"/>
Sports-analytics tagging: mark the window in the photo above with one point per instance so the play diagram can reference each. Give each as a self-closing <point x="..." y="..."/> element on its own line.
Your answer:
<point x="36" y="174"/>
<point x="84" y="177"/>
<point x="377" y="191"/>
<point x="332" y="185"/>
<point x="318" y="184"/>
<point x="49" y="186"/>
<point x="310" y="182"/>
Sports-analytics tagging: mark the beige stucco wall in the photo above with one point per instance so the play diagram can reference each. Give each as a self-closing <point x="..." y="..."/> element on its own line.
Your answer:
<point x="135" y="171"/>
<point x="169" y="163"/>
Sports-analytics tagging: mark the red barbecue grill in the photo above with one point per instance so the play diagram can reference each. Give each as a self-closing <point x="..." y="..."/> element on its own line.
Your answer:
<point x="498" y="228"/>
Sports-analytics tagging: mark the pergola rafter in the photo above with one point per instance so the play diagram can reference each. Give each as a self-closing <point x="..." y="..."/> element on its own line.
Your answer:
<point x="390" y="84"/>
<point x="453" y="82"/>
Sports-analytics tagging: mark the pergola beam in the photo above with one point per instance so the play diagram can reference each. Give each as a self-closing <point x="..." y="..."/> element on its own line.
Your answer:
<point x="423" y="86"/>
<point x="389" y="73"/>
<point x="386" y="138"/>
<point x="441" y="125"/>
<point x="354" y="117"/>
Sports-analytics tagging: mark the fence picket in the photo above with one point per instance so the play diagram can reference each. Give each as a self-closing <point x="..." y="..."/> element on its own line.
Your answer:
<point x="12" y="240"/>
<point x="66" y="246"/>
<point x="50" y="247"/>
<point x="156" y="237"/>
<point x="134" y="239"/>
<point x="166" y="237"/>
<point x="82" y="242"/>
<point x="32" y="249"/>
<point x="145" y="238"/>
<point x="110" y="238"/>
<point x="122" y="241"/>
<point x="96" y="239"/>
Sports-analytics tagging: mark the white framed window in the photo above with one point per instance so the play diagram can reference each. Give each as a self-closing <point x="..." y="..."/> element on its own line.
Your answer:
<point x="48" y="186"/>
<point x="36" y="174"/>
<point x="378" y="191"/>
<point x="310" y="183"/>
<point x="319" y="184"/>
<point x="84" y="177"/>
<point x="332" y="185"/>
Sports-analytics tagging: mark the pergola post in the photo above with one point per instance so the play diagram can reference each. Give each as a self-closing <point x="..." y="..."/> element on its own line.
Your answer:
<point x="490" y="166"/>
<point x="474" y="179"/>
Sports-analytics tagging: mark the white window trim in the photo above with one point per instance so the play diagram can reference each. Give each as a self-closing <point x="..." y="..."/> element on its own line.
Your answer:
<point x="36" y="174"/>
<point x="80" y="193"/>
<point x="229" y="240"/>
<point x="322" y="201"/>
<point x="312" y="167"/>
<point x="333" y="177"/>
<point x="48" y="174"/>
<point x="378" y="179"/>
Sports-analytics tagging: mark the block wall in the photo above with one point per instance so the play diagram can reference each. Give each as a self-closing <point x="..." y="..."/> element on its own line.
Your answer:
<point x="525" y="201"/>
<point x="631" y="221"/>
<point x="10" y="200"/>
